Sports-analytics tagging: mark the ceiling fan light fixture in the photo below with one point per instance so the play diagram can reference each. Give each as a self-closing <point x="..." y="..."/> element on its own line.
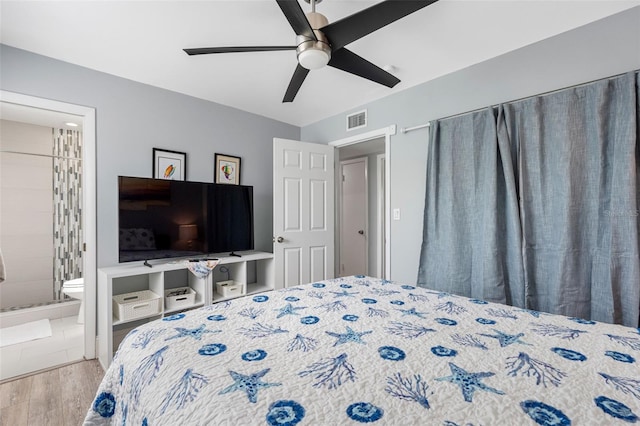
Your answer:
<point x="313" y="59"/>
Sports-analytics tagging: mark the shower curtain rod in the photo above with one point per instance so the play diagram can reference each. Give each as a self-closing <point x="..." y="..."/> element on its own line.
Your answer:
<point x="41" y="155"/>
<point x="408" y="129"/>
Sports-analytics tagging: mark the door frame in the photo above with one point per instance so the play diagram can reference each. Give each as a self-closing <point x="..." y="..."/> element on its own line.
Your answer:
<point x="380" y="207"/>
<point x="88" y="115"/>
<point x="385" y="132"/>
<point x="340" y="212"/>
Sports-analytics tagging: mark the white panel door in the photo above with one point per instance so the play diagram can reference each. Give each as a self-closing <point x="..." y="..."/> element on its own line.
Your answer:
<point x="303" y="212"/>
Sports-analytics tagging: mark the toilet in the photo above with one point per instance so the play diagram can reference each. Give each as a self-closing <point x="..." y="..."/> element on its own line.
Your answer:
<point x="75" y="289"/>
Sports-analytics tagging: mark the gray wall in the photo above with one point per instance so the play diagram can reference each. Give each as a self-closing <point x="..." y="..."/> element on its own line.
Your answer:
<point x="601" y="49"/>
<point x="133" y="118"/>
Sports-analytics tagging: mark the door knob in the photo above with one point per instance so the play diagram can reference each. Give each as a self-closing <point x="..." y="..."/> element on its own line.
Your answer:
<point x="361" y="232"/>
<point x="279" y="239"/>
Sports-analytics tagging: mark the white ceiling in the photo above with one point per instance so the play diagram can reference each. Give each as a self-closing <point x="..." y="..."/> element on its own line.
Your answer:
<point x="143" y="41"/>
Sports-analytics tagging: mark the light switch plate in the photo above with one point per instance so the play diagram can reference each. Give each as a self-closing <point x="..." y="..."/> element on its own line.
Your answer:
<point x="396" y="214"/>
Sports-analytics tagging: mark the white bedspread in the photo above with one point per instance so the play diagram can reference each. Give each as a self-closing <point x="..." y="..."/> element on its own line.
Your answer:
<point x="361" y="350"/>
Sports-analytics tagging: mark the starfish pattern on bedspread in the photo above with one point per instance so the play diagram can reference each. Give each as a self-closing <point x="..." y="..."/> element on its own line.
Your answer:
<point x="195" y="333"/>
<point x="505" y="339"/>
<point x="289" y="309"/>
<point x="250" y="384"/>
<point x="349" y="336"/>
<point x="468" y="382"/>
<point x="412" y="312"/>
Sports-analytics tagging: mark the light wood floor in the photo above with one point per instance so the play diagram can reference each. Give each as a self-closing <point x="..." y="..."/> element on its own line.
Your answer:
<point x="59" y="397"/>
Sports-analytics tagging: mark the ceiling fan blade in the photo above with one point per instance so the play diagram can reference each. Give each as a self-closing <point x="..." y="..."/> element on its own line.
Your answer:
<point x="296" y="81"/>
<point x="296" y="17"/>
<point x="208" y="50"/>
<point x="358" y="25"/>
<point x="348" y="61"/>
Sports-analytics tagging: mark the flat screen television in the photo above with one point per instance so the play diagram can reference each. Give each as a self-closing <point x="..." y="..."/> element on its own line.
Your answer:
<point x="160" y="218"/>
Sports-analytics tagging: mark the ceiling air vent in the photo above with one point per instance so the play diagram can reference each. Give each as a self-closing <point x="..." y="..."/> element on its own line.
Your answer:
<point x="357" y="120"/>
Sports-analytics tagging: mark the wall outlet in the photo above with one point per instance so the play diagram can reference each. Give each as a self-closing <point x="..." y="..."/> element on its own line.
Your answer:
<point x="396" y="214"/>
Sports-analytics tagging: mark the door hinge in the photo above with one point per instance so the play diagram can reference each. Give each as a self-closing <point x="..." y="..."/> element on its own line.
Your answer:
<point x="84" y="246"/>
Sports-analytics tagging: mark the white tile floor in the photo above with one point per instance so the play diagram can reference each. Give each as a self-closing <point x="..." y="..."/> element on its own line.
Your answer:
<point x="66" y="344"/>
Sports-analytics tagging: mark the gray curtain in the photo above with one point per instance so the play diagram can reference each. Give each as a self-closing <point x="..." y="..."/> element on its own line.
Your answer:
<point x="472" y="235"/>
<point x="578" y="172"/>
<point x="570" y="244"/>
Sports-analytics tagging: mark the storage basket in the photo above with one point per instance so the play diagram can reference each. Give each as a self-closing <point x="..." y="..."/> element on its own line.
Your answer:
<point x="229" y="288"/>
<point x="178" y="298"/>
<point x="136" y="304"/>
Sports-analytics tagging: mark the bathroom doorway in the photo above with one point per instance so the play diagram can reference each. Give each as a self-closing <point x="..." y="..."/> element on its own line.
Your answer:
<point x="46" y="227"/>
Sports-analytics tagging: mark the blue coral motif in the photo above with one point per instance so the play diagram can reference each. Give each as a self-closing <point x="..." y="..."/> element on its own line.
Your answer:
<point x="145" y="422"/>
<point x="569" y="354"/>
<point x="318" y="285"/>
<point x="351" y="318"/>
<point x="285" y="413"/>
<point x="309" y="320"/>
<point x="255" y="355"/>
<point x="369" y="301"/>
<point x="250" y="384"/>
<point x="212" y="349"/>
<point x="544" y="414"/>
<point x="173" y="317"/>
<point x="405" y="389"/>
<point x="302" y="343"/>
<point x="485" y="321"/>
<point x="478" y="301"/>
<point x="345" y="286"/>
<point x="446" y="321"/>
<point x="364" y="412"/>
<point x="184" y="391"/>
<point x="408" y="287"/>
<point x="349" y="336"/>
<point x="105" y="404"/>
<point x="216" y="318"/>
<point x="359" y="276"/>
<point x="616" y="409"/>
<point x="582" y="321"/>
<point x="442" y="351"/>
<point x="291" y="299"/>
<point x="146" y="372"/>
<point x="261" y="298"/>
<point x="469" y="382"/>
<point x="330" y="372"/>
<point x="397" y="302"/>
<point x="624" y="384"/>
<point x="391" y="353"/>
<point x="619" y="356"/>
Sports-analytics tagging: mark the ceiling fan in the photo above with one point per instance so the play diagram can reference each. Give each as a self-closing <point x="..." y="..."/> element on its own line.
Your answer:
<point x="319" y="43"/>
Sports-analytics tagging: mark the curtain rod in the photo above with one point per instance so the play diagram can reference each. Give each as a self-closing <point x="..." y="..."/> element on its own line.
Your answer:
<point x="408" y="129"/>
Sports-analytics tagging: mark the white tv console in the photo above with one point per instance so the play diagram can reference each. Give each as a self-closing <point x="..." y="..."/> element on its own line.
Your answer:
<point x="254" y="270"/>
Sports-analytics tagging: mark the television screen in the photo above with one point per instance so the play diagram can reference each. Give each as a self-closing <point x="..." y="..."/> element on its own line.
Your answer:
<point x="166" y="218"/>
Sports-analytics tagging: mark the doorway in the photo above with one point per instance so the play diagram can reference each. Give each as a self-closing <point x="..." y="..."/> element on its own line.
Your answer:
<point x="354" y="217"/>
<point x="362" y="232"/>
<point x="66" y="336"/>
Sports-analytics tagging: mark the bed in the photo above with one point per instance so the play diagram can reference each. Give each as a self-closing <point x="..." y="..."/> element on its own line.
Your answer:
<point x="363" y="350"/>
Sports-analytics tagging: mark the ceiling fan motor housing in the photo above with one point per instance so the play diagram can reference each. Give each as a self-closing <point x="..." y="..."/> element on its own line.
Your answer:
<point x="314" y="54"/>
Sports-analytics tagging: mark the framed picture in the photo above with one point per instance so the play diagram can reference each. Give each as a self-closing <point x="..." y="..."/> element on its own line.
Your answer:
<point x="227" y="169"/>
<point x="170" y="165"/>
